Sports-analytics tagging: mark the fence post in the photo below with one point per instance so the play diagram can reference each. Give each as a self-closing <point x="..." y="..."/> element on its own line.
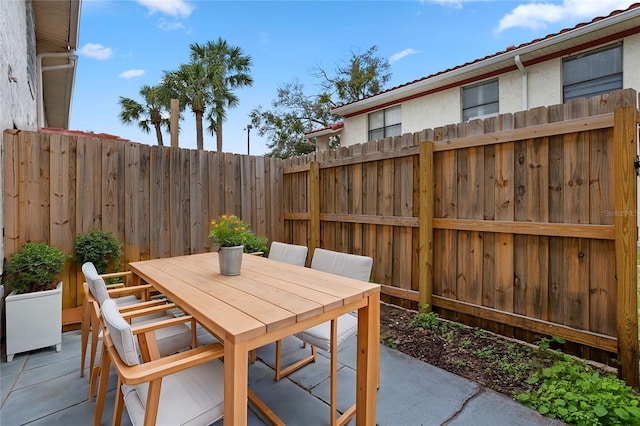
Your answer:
<point x="625" y="134"/>
<point x="425" y="284"/>
<point x="314" y="207"/>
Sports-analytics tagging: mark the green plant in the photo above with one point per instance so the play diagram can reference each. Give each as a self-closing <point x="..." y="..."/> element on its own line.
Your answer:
<point x="100" y="248"/>
<point x="230" y="231"/>
<point x="576" y="393"/>
<point x="34" y="267"/>
<point x="426" y="320"/>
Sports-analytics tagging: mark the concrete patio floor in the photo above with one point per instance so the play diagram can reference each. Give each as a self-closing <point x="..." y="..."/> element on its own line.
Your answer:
<point x="44" y="387"/>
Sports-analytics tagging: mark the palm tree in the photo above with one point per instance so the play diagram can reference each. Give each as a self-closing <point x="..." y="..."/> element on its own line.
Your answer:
<point x="189" y="84"/>
<point x="228" y="69"/>
<point x="152" y="113"/>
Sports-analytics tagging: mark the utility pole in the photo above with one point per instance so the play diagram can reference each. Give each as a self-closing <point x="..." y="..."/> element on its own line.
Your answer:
<point x="249" y="127"/>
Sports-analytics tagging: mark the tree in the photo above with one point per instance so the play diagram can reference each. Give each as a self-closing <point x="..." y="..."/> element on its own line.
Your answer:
<point x="229" y="68"/>
<point x="364" y="74"/>
<point x="189" y="84"/>
<point x="293" y="113"/>
<point x="154" y="112"/>
<point x="206" y="84"/>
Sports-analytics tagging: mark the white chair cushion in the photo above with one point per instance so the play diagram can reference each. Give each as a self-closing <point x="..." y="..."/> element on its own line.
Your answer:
<point x="288" y="253"/>
<point x="120" y="332"/>
<point x="344" y="264"/>
<point x="98" y="287"/>
<point x="190" y="397"/>
<point x="320" y="335"/>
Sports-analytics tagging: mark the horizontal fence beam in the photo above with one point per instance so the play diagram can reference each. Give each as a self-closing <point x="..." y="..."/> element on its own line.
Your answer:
<point x="597" y="232"/>
<point x="596" y="122"/>
<point x="584" y="337"/>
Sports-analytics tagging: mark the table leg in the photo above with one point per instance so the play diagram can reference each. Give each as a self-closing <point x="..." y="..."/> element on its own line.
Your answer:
<point x="368" y="359"/>
<point x="236" y="379"/>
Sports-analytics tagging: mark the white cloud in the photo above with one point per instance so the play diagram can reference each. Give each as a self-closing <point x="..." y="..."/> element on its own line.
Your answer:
<point x="175" y="8"/>
<point x="457" y="4"/>
<point x="170" y="26"/>
<point x="95" y="51"/>
<point x="131" y="74"/>
<point x="397" y="56"/>
<point x="538" y="14"/>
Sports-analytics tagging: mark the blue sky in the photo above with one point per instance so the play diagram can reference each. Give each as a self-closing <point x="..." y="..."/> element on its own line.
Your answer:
<point x="127" y="44"/>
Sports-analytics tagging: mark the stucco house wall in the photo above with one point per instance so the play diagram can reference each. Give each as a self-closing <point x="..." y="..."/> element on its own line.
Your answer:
<point x="17" y="89"/>
<point x="544" y="87"/>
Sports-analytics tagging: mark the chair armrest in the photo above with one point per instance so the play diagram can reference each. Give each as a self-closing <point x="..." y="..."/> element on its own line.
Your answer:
<point x="140" y="305"/>
<point x="117" y="292"/>
<point x="151" y="308"/>
<point x="114" y="286"/>
<point x="161" y="323"/>
<point x="153" y="370"/>
<point x="116" y="275"/>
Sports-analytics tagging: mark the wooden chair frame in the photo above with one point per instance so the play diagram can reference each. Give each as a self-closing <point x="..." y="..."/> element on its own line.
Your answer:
<point x="154" y="368"/>
<point x="133" y="310"/>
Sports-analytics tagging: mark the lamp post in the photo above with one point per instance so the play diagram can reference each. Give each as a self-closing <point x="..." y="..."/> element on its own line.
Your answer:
<point x="249" y="127"/>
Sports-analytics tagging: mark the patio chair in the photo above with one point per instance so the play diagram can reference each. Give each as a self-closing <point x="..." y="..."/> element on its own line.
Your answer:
<point x="183" y="388"/>
<point x="331" y="334"/>
<point x="288" y="253"/>
<point x="169" y="339"/>
<point x="131" y="295"/>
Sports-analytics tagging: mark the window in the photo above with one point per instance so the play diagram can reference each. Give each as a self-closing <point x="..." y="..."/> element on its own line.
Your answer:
<point x="592" y="73"/>
<point x="480" y="100"/>
<point x="385" y="123"/>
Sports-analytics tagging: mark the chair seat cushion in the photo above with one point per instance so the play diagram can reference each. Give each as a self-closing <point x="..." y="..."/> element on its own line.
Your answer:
<point x="126" y="300"/>
<point x="190" y="397"/>
<point x="320" y="335"/>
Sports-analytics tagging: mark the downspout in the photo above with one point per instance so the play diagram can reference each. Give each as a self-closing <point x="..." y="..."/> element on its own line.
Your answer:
<point x="525" y="100"/>
<point x="40" y="71"/>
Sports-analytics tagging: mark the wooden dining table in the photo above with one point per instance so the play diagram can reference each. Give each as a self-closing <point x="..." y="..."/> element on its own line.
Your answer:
<point x="268" y="301"/>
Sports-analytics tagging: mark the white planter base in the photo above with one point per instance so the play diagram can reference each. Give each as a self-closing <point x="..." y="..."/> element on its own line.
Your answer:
<point x="34" y="321"/>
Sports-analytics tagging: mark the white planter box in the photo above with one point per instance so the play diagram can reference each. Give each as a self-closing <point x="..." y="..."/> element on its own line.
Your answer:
<point x="34" y="321"/>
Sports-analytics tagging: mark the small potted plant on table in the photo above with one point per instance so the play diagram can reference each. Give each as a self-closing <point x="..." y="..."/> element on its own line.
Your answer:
<point x="231" y="237"/>
<point x="34" y="308"/>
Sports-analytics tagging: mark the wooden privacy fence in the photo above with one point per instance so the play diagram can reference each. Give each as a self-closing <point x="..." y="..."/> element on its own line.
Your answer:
<point x="158" y="201"/>
<point x="526" y="220"/>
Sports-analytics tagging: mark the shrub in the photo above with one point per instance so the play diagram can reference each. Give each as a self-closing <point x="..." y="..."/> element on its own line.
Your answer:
<point x="34" y="267"/>
<point x="100" y="248"/>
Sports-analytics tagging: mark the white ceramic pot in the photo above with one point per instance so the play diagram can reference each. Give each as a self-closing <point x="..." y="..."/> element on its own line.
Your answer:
<point x="34" y="321"/>
<point x="230" y="259"/>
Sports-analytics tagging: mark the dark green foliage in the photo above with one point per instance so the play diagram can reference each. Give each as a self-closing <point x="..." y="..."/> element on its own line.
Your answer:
<point x="100" y="248"/>
<point x="34" y="267"/>
<point x="578" y="394"/>
<point x="253" y="244"/>
<point x="428" y="320"/>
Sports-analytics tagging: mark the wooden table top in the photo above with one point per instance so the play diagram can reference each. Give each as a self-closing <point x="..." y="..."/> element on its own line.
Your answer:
<point x="266" y="297"/>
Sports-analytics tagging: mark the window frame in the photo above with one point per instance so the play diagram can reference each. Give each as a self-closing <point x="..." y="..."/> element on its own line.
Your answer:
<point x="388" y="129"/>
<point x="616" y="77"/>
<point x="481" y="103"/>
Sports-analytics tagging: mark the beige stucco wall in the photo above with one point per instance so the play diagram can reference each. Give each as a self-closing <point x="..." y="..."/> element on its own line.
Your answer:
<point x="544" y="87"/>
<point x="18" y="93"/>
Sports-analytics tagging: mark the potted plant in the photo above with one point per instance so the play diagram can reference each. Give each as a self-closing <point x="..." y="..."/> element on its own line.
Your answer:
<point x="34" y="308"/>
<point x="231" y="237"/>
<point x="100" y="248"/>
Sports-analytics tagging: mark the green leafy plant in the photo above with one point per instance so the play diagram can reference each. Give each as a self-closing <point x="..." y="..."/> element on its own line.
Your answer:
<point x="230" y="231"/>
<point x="100" y="248"/>
<point x="576" y="393"/>
<point x="427" y="320"/>
<point x="34" y="267"/>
